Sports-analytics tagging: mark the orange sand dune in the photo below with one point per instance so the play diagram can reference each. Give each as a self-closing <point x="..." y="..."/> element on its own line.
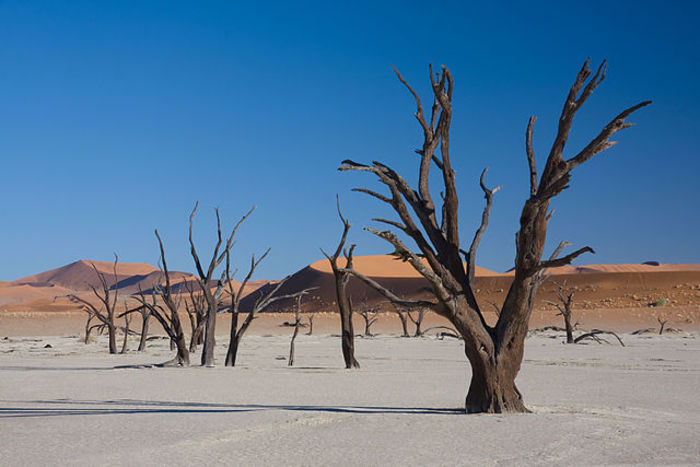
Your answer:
<point x="80" y="275"/>
<point x="613" y="268"/>
<point x="385" y="266"/>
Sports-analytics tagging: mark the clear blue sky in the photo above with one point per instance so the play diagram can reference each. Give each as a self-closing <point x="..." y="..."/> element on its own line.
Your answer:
<point x="116" y="116"/>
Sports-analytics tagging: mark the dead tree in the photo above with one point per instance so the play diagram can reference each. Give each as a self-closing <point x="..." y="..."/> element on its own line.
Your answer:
<point x="417" y="321"/>
<point x="204" y="280"/>
<point x="369" y="315"/>
<point x="566" y="297"/>
<point x="662" y="324"/>
<point x="401" y="313"/>
<point x="166" y="312"/>
<point x="311" y="324"/>
<point x="105" y="312"/>
<point x="342" y="276"/>
<point x="263" y="300"/>
<point x="495" y="353"/>
<point x="297" y="323"/>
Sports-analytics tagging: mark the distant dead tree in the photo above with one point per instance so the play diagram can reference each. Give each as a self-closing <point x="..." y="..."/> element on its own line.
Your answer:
<point x="342" y="276"/>
<point x="105" y="312"/>
<point x="401" y="313"/>
<point x="297" y="324"/>
<point x="417" y="320"/>
<point x="369" y="314"/>
<point x="205" y="281"/>
<point x="566" y="297"/>
<point x="311" y="324"/>
<point x="495" y="353"/>
<point x="662" y="323"/>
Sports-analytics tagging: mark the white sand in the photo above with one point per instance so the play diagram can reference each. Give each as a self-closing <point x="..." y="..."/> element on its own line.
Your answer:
<point x="593" y="404"/>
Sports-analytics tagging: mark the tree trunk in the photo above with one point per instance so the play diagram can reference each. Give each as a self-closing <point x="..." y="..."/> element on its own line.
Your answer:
<point x="127" y="320"/>
<point x="233" y="341"/>
<point x="232" y="351"/>
<point x="291" y="344"/>
<point x="569" y="328"/>
<point x="347" y="331"/>
<point x="492" y="389"/>
<point x="144" y="332"/>
<point x="404" y="323"/>
<point x="209" y="334"/>
<point x="112" y="332"/>
<point x="88" y="329"/>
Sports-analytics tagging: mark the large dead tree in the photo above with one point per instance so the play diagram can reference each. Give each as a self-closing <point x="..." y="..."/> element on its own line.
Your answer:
<point x="342" y="276"/>
<point x="494" y="352"/>
<point x="204" y="279"/>
<point x="196" y="307"/>
<point x="105" y="312"/>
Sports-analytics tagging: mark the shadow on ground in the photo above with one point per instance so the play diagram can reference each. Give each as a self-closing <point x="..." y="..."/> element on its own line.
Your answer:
<point x="130" y="406"/>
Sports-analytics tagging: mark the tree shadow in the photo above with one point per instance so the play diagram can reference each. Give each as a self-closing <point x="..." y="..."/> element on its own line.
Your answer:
<point x="132" y="406"/>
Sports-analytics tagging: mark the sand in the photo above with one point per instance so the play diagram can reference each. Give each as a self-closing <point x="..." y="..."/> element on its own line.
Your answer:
<point x="73" y="404"/>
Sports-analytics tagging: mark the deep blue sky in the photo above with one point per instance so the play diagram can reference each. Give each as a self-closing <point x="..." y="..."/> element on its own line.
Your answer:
<point x="116" y="116"/>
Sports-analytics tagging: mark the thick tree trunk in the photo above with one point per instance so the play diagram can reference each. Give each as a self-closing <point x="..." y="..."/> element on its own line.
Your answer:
<point x="347" y="331"/>
<point x="232" y="351"/>
<point x="209" y="335"/>
<point x="492" y="390"/>
<point x="112" y="332"/>
<point x="144" y="332"/>
<point x="233" y="341"/>
<point x="569" y="328"/>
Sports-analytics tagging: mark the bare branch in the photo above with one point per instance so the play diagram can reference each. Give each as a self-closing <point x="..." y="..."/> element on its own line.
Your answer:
<point x="531" y="155"/>
<point x="471" y="256"/>
<point x="563" y="261"/>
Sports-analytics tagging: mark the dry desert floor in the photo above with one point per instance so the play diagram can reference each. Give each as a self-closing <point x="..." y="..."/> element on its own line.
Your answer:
<point x="66" y="403"/>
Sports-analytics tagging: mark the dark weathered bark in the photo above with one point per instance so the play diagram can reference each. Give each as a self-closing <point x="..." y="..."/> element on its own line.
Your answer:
<point x="341" y="278"/>
<point x="494" y="352"/>
<point x="662" y="324"/>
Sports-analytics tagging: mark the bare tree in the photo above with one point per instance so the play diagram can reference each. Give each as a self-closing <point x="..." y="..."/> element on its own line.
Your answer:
<point x="342" y="276"/>
<point x="566" y="297"/>
<point x="205" y="281"/>
<point x="662" y="323"/>
<point x="401" y="313"/>
<point x="369" y="314"/>
<point x="494" y="352"/>
<point x="297" y="324"/>
<point x="311" y="324"/>
<point x="417" y="320"/>
<point x="105" y="312"/>
<point x="167" y="312"/>
<point x="264" y="299"/>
